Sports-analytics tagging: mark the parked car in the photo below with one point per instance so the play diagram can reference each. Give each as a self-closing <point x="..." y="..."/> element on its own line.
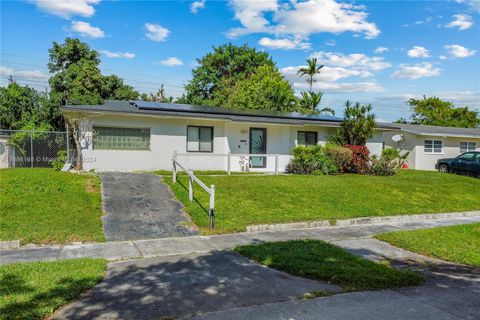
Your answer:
<point x="466" y="163"/>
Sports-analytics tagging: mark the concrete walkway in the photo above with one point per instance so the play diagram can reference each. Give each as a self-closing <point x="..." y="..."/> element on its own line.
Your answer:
<point x="202" y="244"/>
<point x="141" y="206"/>
<point x="450" y="293"/>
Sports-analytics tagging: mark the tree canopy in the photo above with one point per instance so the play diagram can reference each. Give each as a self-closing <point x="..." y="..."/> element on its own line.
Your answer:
<point x="218" y="71"/>
<point x="264" y="89"/>
<point x="436" y="112"/>
<point x="77" y="78"/>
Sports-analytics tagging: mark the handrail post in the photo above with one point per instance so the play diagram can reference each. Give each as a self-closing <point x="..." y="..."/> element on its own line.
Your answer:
<point x="190" y="187"/>
<point x="276" y="164"/>
<point x="211" y="210"/>
<point x="174" y="172"/>
<point x="229" y="163"/>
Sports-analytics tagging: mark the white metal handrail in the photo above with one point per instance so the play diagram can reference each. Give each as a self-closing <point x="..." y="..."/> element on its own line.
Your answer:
<point x="191" y="179"/>
<point x="229" y="156"/>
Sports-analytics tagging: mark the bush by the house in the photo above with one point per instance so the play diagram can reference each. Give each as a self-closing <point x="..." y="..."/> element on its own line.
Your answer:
<point x="359" y="161"/>
<point x="340" y="155"/>
<point x="311" y="160"/>
<point x="59" y="162"/>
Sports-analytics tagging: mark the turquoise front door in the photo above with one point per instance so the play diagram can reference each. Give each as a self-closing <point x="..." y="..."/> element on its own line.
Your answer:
<point x="258" y="145"/>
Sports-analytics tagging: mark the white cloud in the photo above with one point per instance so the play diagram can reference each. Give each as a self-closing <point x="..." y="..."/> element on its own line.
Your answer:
<point x="381" y="50"/>
<point x="197" y="5"/>
<point x="85" y="29"/>
<point x="462" y="21"/>
<point x="459" y="51"/>
<point x="300" y="19"/>
<point x="109" y="54"/>
<point x="286" y="44"/>
<point x="418" y="52"/>
<point x="156" y="32"/>
<point x="24" y="74"/>
<point x="171" y="61"/>
<point x="67" y="8"/>
<point x="416" y="71"/>
<point x="419" y="22"/>
<point x="331" y="43"/>
<point x="474" y="4"/>
<point x="355" y="60"/>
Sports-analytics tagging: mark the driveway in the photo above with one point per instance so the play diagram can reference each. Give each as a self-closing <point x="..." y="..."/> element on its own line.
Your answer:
<point x="141" y="206"/>
<point x="181" y="285"/>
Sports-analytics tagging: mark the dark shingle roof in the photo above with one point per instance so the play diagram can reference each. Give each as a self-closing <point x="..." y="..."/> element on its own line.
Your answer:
<point x="187" y="110"/>
<point x="439" y="131"/>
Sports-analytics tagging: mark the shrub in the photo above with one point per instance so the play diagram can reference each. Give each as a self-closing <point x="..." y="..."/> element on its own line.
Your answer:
<point x="311" y="160"/>
<point x="359" y="161"/>
<point x="59" y="162"/>
<point x="339" y="155"/>
<point x="387" y="164"/>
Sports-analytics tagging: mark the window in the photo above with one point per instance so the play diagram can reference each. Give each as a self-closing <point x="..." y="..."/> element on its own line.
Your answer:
<point x="199" y="139"/>
<point x="433" y="146"/>
<point x="467" y="146"/>
<point x="469" y="156"/>
<point x="107" y="138"/>
<point x="306" y="138"/>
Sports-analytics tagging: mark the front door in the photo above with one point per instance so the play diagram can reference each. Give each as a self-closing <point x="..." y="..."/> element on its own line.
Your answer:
<point x="258" y="145"/>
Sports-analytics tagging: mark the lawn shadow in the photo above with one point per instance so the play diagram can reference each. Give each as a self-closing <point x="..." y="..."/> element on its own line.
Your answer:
<point x="204" y="209"/>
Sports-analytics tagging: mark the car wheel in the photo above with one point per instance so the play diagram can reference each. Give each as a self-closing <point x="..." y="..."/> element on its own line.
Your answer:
<point x="443" y="168"/>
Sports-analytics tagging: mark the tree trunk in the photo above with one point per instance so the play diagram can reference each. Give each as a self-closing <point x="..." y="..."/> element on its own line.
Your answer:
<point x="78" y="147"/>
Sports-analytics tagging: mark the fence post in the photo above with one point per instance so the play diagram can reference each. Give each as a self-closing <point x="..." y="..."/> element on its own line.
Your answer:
<point x="174" y="168"/>
<point x="190" y="187"/>
<point x="68" y="143"/>
<point x="31" y="149"/>
<point x="229" y="163"/>
<point x="276" y="164"/>
<point x="211" y="209"/>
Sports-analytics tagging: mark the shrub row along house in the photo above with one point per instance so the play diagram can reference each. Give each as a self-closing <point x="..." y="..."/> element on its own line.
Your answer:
<point x="139" y="135"/>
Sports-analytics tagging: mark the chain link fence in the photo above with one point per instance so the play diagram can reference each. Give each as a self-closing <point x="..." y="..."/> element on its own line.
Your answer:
<point x="33" y="149"/>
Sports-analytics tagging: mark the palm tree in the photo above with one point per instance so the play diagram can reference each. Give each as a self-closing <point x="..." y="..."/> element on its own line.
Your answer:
<point x="310" y="102"/>
<point x="311" y="71"/>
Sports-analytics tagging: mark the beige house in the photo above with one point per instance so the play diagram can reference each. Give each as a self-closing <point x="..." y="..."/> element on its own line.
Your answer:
<point x="427" y="144"/>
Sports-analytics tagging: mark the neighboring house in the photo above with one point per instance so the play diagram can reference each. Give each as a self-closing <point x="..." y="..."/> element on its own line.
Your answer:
<point x="427" y="144"/>
<point x="139" y="135"/>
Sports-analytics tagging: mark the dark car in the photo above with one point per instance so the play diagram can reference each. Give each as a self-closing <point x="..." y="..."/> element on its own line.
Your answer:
<point x="466" y="163"/>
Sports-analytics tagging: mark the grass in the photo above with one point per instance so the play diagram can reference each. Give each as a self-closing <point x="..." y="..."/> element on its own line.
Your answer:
<point x="45" y="206"/>
<point x="319" y="260"/>
<point x="35" y="290"/>
<point x="247" y="200"/>
<point x="460" y="243"/>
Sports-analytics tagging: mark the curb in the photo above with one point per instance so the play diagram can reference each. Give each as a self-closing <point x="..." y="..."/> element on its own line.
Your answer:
<point x="9" y="245"/>
<point x="360" y="221"/>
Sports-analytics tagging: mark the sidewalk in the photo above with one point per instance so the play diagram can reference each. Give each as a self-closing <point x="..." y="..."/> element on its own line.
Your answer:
<point x="201" y="244"/>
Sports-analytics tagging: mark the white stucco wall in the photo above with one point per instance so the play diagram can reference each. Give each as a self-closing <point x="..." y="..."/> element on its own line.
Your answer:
<point x="418" y="158"/>
<point x="168" y="135"/>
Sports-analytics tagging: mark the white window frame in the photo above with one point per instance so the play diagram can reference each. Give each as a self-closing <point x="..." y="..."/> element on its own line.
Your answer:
<point x="433" y="141"/>
<point x="200" y="138"/>
<point x="469" y="146"/>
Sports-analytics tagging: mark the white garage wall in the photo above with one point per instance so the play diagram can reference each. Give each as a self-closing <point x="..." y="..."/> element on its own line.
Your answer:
<point x="168" y="135"/>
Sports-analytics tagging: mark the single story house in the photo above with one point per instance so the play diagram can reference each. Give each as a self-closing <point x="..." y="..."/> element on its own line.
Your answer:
<point x="427" y="144"/>
<point x="139" y="135"/>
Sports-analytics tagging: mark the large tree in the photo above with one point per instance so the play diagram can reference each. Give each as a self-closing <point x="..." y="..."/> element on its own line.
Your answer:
<point x="264" y="89"/>
<point x="23" y="107"/>
<point x="310" y="100"/>
<point x="220" y="70"/>
<point x="437" y="112"/>
<point x="77" y="78"/>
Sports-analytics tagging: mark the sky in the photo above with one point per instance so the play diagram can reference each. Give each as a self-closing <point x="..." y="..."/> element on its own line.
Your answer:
<point x="375" y="52"/>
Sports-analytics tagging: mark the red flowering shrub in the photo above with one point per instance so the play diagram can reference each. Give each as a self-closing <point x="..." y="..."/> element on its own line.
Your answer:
<point x="359" y="160"/>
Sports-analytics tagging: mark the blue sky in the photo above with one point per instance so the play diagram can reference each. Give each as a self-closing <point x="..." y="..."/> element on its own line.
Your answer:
<point x="378" y="52"/>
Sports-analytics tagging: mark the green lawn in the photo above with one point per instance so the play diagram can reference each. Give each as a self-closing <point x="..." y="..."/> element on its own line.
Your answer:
<point x="319" y="260"/>
<point x="46" y="206"/>
<point x="246" y="200"/>
<point x="460" y="244"/>
<point x="35" y="290"/>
